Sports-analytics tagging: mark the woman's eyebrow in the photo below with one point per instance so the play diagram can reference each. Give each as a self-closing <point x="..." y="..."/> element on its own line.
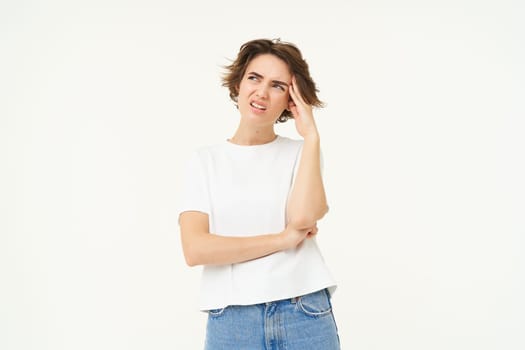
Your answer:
<point x="273" y="81"/>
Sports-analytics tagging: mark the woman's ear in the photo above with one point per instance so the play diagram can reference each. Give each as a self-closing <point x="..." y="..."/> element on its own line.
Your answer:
<point x="290" y="105"/>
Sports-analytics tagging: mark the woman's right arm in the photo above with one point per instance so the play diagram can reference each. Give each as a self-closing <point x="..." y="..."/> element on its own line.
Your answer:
<point x="202" y="248"/>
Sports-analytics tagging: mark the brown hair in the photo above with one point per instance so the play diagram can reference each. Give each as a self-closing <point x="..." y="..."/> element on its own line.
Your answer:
<point x="287" y="52"/>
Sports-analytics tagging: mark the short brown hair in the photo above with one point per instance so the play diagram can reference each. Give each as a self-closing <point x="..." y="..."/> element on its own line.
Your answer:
<point x="287" y="52"/>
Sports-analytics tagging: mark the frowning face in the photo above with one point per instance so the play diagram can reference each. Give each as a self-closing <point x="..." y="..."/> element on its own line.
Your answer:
<point x="263" y="90"/>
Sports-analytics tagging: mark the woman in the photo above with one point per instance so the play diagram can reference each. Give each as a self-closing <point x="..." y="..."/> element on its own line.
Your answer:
<point x="249" y="212"/>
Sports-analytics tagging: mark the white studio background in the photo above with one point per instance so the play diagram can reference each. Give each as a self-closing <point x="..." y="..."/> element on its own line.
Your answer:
<point x="101" y="101"/>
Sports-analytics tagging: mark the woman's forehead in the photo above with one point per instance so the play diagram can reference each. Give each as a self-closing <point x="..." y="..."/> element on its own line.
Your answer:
<point x="269" y="66"/>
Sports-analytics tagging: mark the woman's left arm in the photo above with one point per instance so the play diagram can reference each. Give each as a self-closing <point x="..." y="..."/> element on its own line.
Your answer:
<point x="307" y="201"/>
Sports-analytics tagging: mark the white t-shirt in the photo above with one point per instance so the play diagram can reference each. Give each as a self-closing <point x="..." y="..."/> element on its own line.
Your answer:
<point x="244" y="190"/>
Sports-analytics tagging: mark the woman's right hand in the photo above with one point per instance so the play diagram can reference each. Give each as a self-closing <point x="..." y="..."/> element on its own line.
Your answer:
<point x="292" y="236"/>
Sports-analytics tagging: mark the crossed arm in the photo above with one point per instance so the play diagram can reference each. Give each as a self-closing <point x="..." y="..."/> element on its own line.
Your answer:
<point x="202" y="248"/>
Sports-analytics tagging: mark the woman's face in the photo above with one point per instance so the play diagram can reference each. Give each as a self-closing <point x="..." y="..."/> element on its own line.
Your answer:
<point x="263" y="91"/>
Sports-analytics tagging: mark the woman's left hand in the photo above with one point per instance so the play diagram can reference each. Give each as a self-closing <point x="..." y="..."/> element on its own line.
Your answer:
<point x="302" y="112"/>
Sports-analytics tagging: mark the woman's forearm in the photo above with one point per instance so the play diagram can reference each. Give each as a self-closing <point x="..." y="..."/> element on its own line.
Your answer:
<point x="307" y="202"/>
<point x="211" y="249"/>
<point x="204" y="248"/>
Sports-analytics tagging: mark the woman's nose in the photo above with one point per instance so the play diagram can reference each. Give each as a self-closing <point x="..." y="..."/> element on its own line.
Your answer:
<point x="262" y="92"/>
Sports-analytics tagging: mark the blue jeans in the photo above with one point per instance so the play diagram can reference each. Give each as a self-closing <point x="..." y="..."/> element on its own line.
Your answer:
<point x="304" y="323"/>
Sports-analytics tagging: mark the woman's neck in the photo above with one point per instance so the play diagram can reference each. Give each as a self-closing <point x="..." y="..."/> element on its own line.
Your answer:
<point x="253" y="137"/>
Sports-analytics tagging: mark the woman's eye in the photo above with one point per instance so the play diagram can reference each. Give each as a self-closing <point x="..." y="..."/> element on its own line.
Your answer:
<point x="279" y="87"/>
<point x="252" y="77"/>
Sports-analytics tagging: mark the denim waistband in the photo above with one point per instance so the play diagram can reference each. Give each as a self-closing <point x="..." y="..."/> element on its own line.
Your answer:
<point x="294" y="300"/>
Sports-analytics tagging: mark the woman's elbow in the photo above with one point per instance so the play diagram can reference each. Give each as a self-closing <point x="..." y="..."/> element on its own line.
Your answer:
<point x="307" y="221"/>
<point x="190" y="261"/>
<point x="191" y="257"/>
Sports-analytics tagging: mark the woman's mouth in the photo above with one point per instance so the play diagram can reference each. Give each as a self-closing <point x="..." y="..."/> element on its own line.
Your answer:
<point x="257" y="106"/>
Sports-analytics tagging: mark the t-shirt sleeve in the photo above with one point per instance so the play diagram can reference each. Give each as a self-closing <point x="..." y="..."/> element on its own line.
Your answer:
<point x="194" y="192"/>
